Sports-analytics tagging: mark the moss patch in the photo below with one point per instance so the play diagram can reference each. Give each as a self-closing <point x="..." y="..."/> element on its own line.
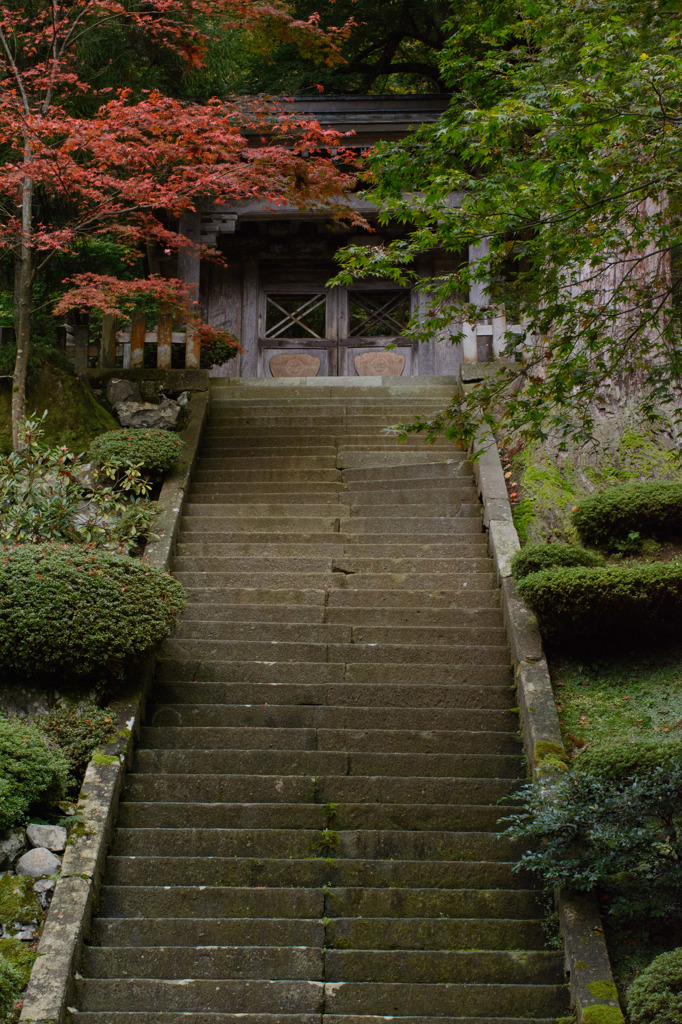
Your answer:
<point x="20" y="956"/>
<point x="17" y="900"/>
<point x="602" y="990"/>
<point x="75" y="417"/>
<point x="602" y="1015"/>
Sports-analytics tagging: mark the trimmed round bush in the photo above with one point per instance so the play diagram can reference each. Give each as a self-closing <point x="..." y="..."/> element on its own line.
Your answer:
<point x="607" y="519"/>
<point x="69" y="609"/>
<point x="30" y="771"/>
<point x="154" y="450"/>
<point x="537" y="557"/>
<point x="614" y="599"/>
<point x="655" y="996"/>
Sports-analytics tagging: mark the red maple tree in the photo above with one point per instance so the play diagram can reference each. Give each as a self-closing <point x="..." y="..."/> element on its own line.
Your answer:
<point x="139" y="162"/>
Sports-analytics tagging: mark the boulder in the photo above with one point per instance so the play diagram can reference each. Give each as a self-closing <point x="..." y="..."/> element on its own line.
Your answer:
<point x="51" y="837"/>
<point x="38" y="863"/>
<point x="118" y="391"/>
<point x="163" y="416"/>
<point x="11" y="847"/>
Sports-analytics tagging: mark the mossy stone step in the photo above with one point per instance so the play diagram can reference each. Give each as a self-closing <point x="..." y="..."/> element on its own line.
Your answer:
<point x="118" y="1017"/>
<point x="405" y="998"/>
<point x="155" y="814"/>
<point x="335" y="634"/>
<point x="277" y="962"/>
<point x="207" y="931"/>
<point x="297" y="843"/>
<point x="297" y="716"/>
<point x="315" y="790"/>
<point x="380" y="740"/>
<point x="315" y="871"/>
<point x="198" y="995"/>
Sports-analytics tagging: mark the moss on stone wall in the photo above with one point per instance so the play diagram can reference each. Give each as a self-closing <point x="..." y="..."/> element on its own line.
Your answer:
<point x="75" y="417"/>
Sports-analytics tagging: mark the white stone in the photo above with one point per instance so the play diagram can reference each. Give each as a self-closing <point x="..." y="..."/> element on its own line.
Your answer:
<point x="51" y="837"/>
<point x="38" y="863"/>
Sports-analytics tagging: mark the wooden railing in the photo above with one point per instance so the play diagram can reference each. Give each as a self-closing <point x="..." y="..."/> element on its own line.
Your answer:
<point x="125" y="346"/>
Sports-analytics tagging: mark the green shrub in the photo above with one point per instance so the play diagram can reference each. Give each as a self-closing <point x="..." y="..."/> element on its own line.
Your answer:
<point x="152" y="450"/>
<point x="621" y="760"/>
<point x="537" y="557"/>
<point x="618" y="517"/>
<point x="69" y="609"/>
<point x="16" y="962"/>
<point x="78" y="728"/>
<point x="621" y="835"/>
<point x="30" y="771"/>
<point x="614" y="599"/>
<point x="655" y="996"/>
<point x="44" y="497"/>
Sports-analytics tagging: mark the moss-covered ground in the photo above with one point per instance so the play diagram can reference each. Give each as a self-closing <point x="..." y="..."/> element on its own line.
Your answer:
<point x="74" y="416"/>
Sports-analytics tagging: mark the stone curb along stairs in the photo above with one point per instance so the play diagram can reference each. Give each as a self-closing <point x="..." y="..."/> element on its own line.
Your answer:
<point x="51" y="985"/>
<point x="586" y="956"/>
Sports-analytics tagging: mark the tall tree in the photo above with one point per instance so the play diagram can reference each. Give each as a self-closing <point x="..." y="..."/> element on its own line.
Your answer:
<point x="562" y="154"/>
<point x="135" y="163"/>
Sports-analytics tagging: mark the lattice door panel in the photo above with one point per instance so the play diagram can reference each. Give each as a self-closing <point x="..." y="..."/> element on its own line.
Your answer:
<point x="296" y="316"/>
<point x="378" y="314"/>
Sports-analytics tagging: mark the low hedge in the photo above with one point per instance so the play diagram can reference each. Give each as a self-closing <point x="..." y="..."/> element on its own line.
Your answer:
<point x="655" y="996"/>
<point x="153" y="450"/>
<point x="74" y="610"/>
<point x="613" y="599"/>
<point x="536" y="557"/>
<point x="608" y="519"/>
<point x="31" y="773"/>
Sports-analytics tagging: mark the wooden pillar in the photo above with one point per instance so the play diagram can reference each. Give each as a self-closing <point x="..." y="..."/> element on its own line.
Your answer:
<point x="107" y="354"/>
<point x="192" y="348"/>
<point x="250" y="297"/>
<point x="81" y="336"/>
<point x="189" y="271"/>
<point x="137" y="332"/>
<point x="164" y="341"/>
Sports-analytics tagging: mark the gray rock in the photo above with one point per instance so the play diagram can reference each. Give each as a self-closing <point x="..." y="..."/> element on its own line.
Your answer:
<point x="27" y="933"/>
<point x="118" y="391"/>
<point x="150" y="391"/>
<point x="38" y="863"/>
<point x="11" y="847"/>
<point x="44" y="890"/>
<point x="163" y="416"/>
<point x="51" y="837"/>
<point x="183" y="398"/>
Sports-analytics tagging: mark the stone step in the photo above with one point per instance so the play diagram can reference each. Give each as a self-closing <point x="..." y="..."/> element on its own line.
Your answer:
<point x="432" y="817"/>
<point x="318" y="791"/>
<point x="444" y="600"/>
<point x="328" y="762"/>
<point x="297" y="843"/>
<point x="269" y="613"/>
<point x="310" y="996"/>
<point x="333" y="545"/>
<point x="132" y="1017"/>
<point x="336" y="580"/>
<point x="360" y="903"/>
<point x="293" y="716"/>
<point x="213" y="487"/>
<point x="510" y="889"/>
<point x="224" y="471"/>
<point x="326" y="487"/>
<point x="382" y="740"/>
<point x="357" y="527"/>
<point x="442" y="686"/>
<point x="329" y="509"/>
<point x="370" y="653"/>
<point x="328" y="633"/>
<point x="344" y="933"/>
<point x="291" y="962"/>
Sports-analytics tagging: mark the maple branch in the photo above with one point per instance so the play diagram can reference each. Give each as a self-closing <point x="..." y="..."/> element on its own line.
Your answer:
<point x="15" y="71"/>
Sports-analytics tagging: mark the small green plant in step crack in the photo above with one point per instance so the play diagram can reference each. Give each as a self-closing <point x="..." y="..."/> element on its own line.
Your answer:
<point x="326" y="842"/>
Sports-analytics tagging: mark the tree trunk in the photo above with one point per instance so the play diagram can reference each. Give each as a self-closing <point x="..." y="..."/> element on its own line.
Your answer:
<point x="23" y="294"/>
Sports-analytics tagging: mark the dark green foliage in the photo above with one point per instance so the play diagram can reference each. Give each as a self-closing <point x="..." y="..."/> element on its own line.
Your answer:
<point x="619" y="834"/>
<point x="152" y="450"/>
<point x="78" y="728"/>
<point x="31" y="773"/>
<point x="655" y="996"/>
<point x="215" y="353"/>
<point x="537" y="557"/>
<point x="11" y="984"/>
<point x="73" y="610"/>
<point x="608" y="601"/>
<point x="619" y="516"/>
<point x="16" y="962"/>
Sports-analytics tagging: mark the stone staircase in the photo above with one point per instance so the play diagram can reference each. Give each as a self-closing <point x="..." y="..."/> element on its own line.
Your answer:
<point x="307" y="835"/>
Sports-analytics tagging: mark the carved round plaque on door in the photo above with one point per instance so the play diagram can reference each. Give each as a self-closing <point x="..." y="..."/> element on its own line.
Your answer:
<point x="294" y="364"/>
<point x="379" y="364"/>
